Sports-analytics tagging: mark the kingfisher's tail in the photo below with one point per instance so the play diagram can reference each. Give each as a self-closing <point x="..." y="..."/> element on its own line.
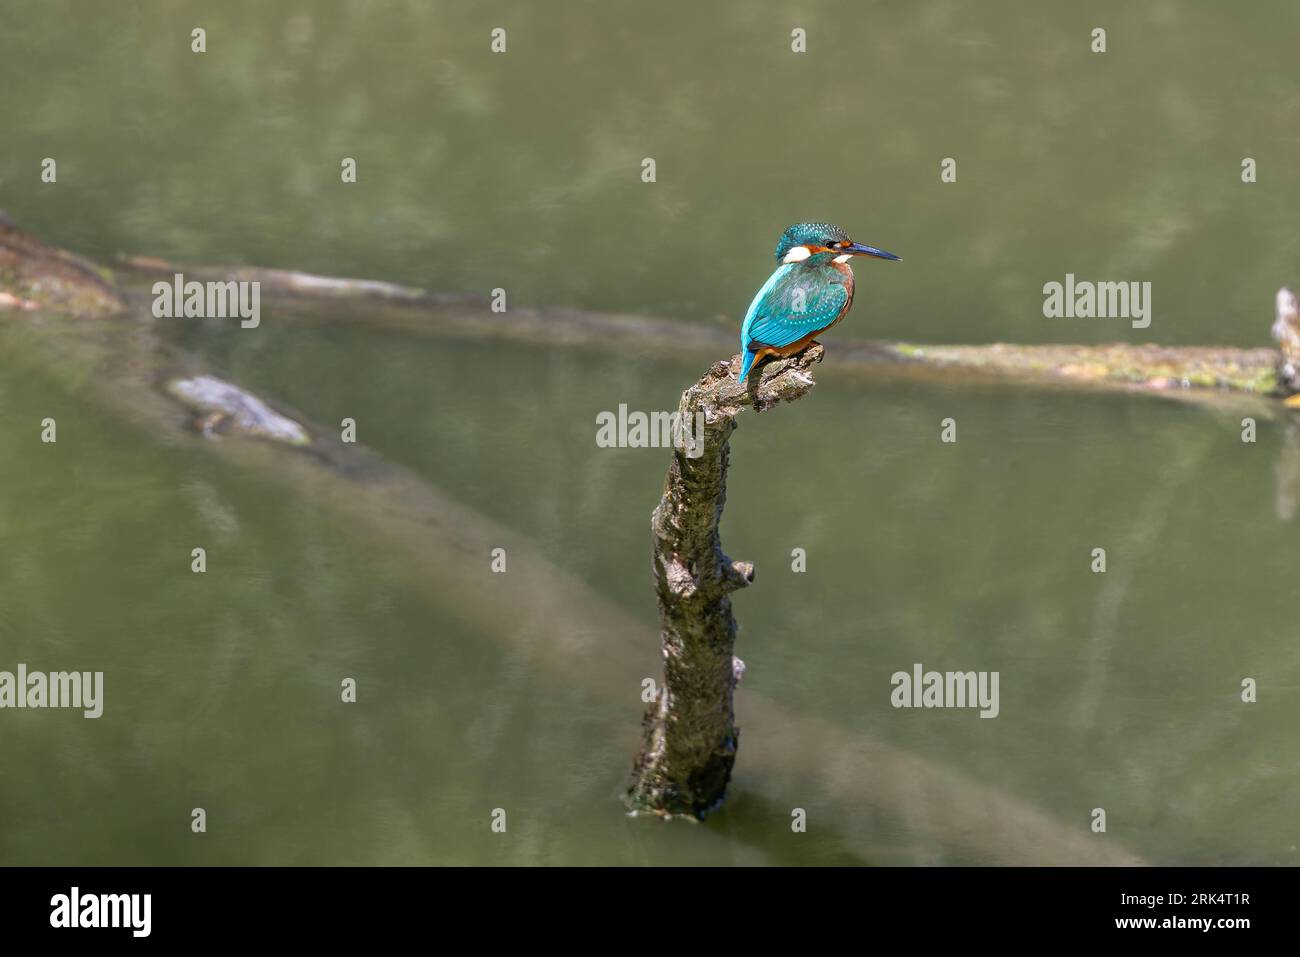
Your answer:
<point x="746" y="363"/>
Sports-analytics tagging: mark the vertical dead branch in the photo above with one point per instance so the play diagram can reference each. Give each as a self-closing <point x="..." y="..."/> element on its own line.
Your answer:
<point x="690" y="734"/>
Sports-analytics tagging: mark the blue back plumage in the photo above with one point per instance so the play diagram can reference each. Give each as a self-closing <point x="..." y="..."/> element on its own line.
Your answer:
<point x="798" y="300"/>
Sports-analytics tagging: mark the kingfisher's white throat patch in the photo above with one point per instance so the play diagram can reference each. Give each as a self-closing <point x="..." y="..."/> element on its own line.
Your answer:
<point x="845" y="258"/>
<point x="798" y="254"/>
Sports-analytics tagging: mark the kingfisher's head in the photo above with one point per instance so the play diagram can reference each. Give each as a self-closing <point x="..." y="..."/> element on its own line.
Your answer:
<point x="803" y="240"/>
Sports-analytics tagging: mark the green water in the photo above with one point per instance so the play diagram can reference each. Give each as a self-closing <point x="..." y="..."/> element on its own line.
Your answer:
<point x="1119" y="690"/>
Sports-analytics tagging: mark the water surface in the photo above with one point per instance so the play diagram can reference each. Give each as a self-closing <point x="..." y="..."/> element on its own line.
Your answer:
<point x="521" y="171"/>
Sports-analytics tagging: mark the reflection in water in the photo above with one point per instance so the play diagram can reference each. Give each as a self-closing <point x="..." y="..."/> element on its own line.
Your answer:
<point x="1137" y="549"/>
<point x="1288" y="470"/>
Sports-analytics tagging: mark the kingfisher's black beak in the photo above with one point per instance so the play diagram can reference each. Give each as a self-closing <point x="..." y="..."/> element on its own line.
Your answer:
<point x="857" y="249"/>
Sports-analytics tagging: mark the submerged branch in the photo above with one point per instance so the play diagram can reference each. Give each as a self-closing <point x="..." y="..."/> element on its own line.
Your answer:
<point x="34" y="276"/>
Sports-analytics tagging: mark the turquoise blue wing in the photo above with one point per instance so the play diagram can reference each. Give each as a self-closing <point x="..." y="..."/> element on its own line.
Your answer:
<point x="795" y="302"/>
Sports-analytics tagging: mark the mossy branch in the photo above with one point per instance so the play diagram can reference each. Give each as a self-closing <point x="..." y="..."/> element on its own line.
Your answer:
<point x="1199" y="372"/>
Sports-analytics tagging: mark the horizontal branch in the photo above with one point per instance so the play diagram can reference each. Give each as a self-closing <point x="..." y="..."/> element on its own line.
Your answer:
<point x="1129" y="367"/>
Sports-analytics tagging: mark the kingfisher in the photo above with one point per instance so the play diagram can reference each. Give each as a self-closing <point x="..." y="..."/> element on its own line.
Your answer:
<point x="811" y="290"/>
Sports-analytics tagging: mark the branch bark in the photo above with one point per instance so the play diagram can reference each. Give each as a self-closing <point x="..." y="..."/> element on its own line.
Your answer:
<point x="690" y="736"/>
